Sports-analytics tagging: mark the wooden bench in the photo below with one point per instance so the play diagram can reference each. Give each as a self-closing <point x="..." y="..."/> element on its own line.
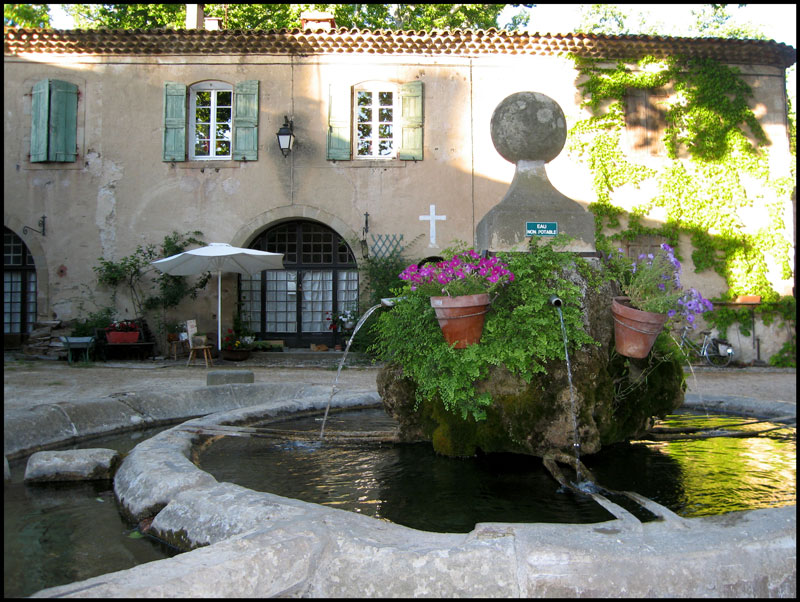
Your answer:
<point x="142" y="349"/>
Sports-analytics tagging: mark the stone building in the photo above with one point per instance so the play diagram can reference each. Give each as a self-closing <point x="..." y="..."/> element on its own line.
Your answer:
<point x="114" y="139"/>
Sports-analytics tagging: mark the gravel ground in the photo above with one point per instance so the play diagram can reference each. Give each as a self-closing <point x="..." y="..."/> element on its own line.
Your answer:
<point x="32" y="382"/>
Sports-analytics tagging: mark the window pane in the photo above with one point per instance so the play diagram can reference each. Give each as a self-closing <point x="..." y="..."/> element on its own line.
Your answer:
<point x="202" y="132"/>
<point x="223" y="115"/>
<point x="385" y="147"/>
<point x="204" y="99"/>
<point x="364" y="130"/>
<point x="385" y="131"/>
<point x="364" y="99"/>
<point x="224" y="98"/>
<point x="364" y="147"/>
<point x="223" y="148"/>
<point x="203" y="116"/>
<point x="385" y="99"/>
<point x="364" y="114"/>
<point x="201" y="148"/>
<point x="223" y="131"/>
<point x="385" y="115"/>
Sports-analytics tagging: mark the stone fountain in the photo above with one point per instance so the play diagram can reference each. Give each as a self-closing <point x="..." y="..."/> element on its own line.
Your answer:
<point x="538" y="418"/>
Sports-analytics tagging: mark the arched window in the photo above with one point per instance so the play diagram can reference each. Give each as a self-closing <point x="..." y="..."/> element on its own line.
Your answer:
<point x="19" y="288"/>
<point x="297" y="304"/>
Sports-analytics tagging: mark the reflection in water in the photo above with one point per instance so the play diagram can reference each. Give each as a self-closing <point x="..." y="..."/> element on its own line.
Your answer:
<point x="708" y="476"/>
<point x="64" y="532"/>
<point x="411" y="485"/>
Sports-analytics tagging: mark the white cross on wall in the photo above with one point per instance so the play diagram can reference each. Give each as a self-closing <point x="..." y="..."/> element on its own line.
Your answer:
<point x="432" y="217"/>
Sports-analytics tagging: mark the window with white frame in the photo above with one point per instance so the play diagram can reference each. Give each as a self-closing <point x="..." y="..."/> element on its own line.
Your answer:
<point x="210" y="120"/>
<point x="376" y="115"/>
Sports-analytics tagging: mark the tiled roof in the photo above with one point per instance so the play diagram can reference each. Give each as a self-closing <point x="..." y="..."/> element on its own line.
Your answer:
<point x="348" y="41"/>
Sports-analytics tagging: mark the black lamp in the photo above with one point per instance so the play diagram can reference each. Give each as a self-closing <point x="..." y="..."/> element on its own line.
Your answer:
<point x="286" y="136"/>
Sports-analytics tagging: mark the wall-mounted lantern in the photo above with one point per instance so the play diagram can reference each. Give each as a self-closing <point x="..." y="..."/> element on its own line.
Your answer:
<point x="286" y="136"/>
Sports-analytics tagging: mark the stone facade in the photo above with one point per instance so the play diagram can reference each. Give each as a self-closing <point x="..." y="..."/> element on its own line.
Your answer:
<point x="119" y="192"/>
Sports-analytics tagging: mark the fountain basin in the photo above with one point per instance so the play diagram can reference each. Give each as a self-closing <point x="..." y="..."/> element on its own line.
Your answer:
<point x="260" y="544"/>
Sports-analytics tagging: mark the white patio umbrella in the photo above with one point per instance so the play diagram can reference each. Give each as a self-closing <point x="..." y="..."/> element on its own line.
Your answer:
<point x="219" y="257"/>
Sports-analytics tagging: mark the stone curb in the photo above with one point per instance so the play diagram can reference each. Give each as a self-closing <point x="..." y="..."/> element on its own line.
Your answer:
<point x="337" y="556"/>
<point x="26" y="430"/>
<point x="259" y="544"/>
<point x="742" y="406"/>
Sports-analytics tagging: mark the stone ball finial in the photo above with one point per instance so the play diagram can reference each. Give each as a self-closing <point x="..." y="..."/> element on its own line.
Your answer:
<point x="528" y="126"/>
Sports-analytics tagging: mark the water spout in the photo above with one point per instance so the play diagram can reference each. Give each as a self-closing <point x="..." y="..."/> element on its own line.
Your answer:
<point x="390" y="301"/>
<point x="555" y="301"/>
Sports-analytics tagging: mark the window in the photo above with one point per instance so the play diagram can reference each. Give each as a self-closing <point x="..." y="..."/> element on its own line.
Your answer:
<point x="380" y="119"/>
<point x="210" y="120"/>
<point x="320" y="280"/>
<point x="19" y="286"/>
<point x="374" y="122"/>
<point x="645" y="121"/>
<point x="642" y="245"/>
<point x="219" y="120"/>
<point x="54" y="121"/>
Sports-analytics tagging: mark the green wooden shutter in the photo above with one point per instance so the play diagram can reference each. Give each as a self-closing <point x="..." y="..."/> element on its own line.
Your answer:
<point x="339" y="116"/>
<point x="54" y="121"/>
<point x="174" y="121"/>
<point x="62" y="144"/>
<point x="410" y="121"/>
<point x="40" y="117"/>
<point x="245" y="121"/>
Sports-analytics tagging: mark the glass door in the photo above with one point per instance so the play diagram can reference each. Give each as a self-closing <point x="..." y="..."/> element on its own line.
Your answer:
<point x="297" y="305"/>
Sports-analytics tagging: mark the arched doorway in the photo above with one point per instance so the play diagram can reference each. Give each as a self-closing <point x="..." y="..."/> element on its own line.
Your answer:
<point x="296" y="304"/>
<point x="19" y="290"/>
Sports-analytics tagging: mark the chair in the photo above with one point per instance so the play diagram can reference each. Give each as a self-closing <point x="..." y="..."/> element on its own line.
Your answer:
<point x="194" y="347"/>
<point x="179" y="346"/>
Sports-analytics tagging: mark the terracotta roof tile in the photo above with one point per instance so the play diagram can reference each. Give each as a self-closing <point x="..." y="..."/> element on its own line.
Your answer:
<point x="464" y="42"/>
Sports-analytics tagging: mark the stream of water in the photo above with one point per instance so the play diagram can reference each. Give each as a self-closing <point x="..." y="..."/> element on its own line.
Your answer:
<point x="334" y="390"/>
<point x="576" y="442"/>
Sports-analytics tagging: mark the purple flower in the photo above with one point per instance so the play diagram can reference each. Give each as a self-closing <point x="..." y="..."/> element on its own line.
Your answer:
<point x="466" y="270"/>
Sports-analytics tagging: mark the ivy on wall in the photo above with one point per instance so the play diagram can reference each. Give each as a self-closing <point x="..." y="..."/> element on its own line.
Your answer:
<point x="715" y="147"/>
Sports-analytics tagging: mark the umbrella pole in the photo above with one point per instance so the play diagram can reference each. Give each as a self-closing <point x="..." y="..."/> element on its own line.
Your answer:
<point x="219" y="311"/>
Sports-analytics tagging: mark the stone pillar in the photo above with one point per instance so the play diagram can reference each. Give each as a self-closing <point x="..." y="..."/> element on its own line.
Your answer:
<point x="529" y="130"/>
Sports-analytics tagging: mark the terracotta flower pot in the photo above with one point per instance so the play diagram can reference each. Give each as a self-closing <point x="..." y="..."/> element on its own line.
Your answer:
<point x="461" y="318"/>
<point x="635" y="331"/>
<point x="235" y="355"/>
<point x="122" y="337"/>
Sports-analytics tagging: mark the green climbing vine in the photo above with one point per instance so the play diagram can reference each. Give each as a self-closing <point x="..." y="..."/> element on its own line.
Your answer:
<point x="716" y="170"/>
<point x="714" y="145"/>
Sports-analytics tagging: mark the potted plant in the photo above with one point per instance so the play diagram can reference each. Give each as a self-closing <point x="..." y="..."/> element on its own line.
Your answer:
<point x="174" y="330"/>
<point x="236" y="348"/>
<point x="239" y="341"/>
<point x="122" y="331"/>
<point x="459" y="289"/>
<point x="653" y="298"/>
<point x="344" y="321"/>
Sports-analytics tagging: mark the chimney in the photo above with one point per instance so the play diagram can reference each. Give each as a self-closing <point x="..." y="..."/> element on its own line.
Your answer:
<point x="194" y="16"/>
<point x="316" y="21"/>
<point x="213" y="23"/>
